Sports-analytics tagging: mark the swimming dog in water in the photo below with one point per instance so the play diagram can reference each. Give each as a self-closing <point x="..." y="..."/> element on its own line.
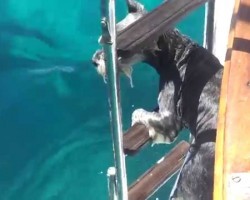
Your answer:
<point x="190" y="80"/>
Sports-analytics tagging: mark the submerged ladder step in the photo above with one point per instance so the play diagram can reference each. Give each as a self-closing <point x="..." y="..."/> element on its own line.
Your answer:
<point x="135" y="138"/>
<point x="156" y="176"/>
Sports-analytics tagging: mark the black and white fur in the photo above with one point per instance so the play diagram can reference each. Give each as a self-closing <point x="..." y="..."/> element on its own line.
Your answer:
<point x="190" y="79"/>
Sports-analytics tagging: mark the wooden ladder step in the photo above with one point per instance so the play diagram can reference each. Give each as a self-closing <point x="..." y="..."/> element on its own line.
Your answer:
<point x="156" y="176"/>
<point x="144" y="31"/>
<point x="135" y="138"/>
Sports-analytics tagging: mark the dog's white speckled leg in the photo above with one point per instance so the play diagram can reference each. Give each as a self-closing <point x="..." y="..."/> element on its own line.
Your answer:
<point x="151" y="120"/>
<point x="142" y="116"/>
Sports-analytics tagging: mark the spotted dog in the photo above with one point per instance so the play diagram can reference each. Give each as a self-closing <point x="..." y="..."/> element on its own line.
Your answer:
<point x="190" y="81"/>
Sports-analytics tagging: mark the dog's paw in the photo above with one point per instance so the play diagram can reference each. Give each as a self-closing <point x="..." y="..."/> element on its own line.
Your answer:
<point x="141" y="116"/>
<point x="151" y="120"/>
<point x="160" y="138"/>
<point x="156" y="125"/>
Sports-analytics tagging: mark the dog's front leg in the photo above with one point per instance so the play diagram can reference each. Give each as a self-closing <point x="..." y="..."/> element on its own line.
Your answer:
<point x="155" y="122"/>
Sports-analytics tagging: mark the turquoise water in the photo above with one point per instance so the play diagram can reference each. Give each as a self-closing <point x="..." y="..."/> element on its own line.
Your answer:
<point x="54" y="127"/>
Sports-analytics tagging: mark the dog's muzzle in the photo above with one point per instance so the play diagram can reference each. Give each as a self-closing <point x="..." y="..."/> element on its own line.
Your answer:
<point x="97" y="57"/>
<point x="99" y="62"/>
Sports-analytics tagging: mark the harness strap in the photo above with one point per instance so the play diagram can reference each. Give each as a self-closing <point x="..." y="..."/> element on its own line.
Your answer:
<point x="206" y="136"/>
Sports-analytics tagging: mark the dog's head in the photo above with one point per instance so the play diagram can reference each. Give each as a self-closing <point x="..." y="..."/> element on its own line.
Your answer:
<point x="125" y="59"/>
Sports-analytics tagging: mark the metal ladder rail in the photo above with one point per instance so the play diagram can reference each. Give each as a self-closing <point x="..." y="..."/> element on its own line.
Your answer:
<point x="117" y="177"/>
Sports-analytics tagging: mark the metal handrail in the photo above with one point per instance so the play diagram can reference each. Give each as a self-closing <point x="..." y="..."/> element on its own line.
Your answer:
<point x="108" y="22"/>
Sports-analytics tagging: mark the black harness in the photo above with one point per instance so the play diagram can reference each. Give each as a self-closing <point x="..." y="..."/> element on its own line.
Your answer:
<point x="199" y="70"/>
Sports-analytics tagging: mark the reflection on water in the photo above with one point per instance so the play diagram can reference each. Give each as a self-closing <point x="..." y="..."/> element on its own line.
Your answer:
<point x="54" y="124"/>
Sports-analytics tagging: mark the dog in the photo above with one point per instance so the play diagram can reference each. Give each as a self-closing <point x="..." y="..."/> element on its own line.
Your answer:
<point x="190" y="81"/>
